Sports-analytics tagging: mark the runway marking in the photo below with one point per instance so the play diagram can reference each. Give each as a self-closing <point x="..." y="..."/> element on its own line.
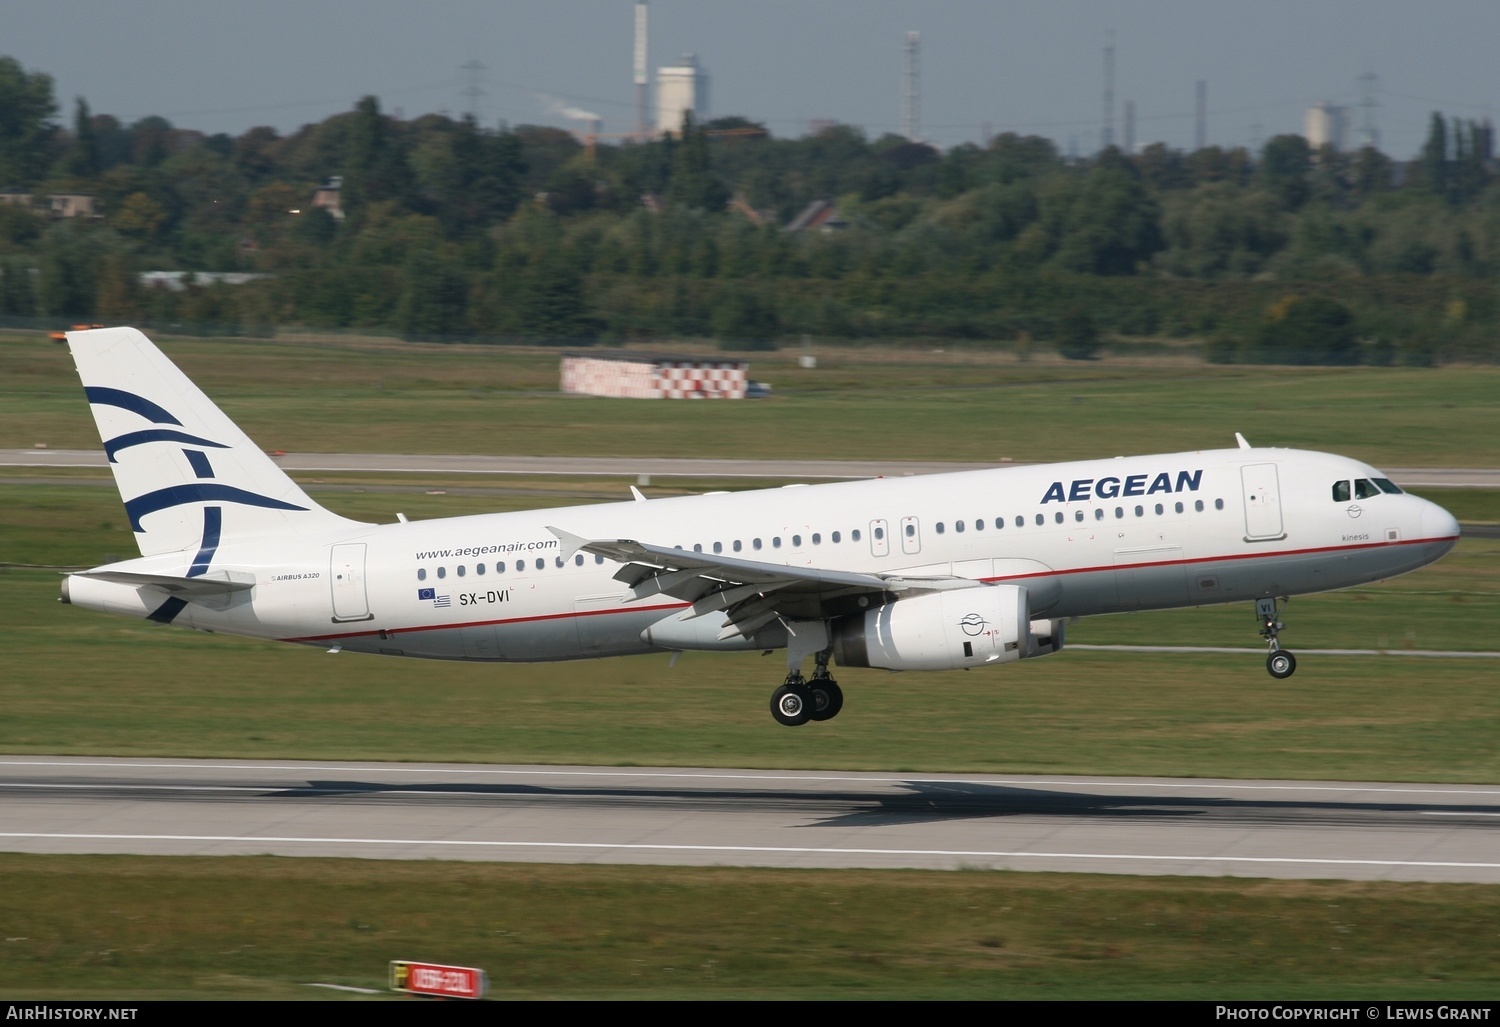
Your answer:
<point x="732" y="775"/>
<point x="758" y="849"/>
<point x="95" y="786"/>
<point x="1438" y="654"/>
<point x="1454" y="813"/>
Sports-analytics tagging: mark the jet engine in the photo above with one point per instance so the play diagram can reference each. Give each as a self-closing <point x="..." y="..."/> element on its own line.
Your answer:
<point x="1046" y="638"/>
<point x="949" y="630"/>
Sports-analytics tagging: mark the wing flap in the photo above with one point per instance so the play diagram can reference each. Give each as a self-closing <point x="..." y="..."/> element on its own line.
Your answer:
<point x="750" y="594"/>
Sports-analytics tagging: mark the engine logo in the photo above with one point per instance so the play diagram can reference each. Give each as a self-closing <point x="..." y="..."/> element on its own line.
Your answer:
<point x="973" y="624"/>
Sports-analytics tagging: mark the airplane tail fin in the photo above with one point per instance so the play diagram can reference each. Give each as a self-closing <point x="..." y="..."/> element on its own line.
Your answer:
<point x="189" y="477"/>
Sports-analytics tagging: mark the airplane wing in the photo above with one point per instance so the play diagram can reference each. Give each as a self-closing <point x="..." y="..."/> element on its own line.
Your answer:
<point x="750" y="593"/>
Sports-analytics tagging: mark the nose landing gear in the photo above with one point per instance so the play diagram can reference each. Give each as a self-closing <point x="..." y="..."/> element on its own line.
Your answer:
<point x="1280" y="663"/>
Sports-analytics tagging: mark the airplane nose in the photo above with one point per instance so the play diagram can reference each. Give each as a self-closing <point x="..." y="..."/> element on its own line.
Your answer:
<point x="1438" y="523"/>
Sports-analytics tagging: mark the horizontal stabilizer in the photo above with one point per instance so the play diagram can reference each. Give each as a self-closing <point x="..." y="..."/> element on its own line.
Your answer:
<point x="186" y="588"/>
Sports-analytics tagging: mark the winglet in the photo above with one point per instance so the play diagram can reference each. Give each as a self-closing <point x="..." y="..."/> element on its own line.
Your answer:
<point x="1241" y="440"/>
<point x="640" y="497"/>
<point x="571" y="543"/>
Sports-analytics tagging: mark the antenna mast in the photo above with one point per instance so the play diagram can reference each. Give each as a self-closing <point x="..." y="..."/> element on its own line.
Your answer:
<point x="1369" y="83"/>
<point x="1200" y="120"/>
<point x="909" y="95"/>
<point x="1107" y="126"/>
<point x="472" y="70"/>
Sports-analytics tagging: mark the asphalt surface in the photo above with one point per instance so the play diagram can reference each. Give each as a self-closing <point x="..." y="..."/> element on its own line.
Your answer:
<point x="668" y="816"/>
<point x="636" y="467"/>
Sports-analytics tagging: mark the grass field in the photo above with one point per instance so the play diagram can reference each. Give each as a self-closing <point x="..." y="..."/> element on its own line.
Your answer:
<point x="112" y="926"/>
<point x="953" y="406"/>
<point x="84" y="683"/>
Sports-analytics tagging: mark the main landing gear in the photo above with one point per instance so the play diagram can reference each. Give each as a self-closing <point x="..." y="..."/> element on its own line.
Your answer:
<point x="798" y="700"/>
<point x="1280" y="663"/>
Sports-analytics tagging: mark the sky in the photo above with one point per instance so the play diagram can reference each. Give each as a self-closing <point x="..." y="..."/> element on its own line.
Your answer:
<point x="987" y="66"/>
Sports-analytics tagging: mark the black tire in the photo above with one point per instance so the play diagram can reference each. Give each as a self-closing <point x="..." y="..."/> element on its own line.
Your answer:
<point x="1281" y="664"/>
<point x="827" y="698"/>
<point x="792" y="705"/>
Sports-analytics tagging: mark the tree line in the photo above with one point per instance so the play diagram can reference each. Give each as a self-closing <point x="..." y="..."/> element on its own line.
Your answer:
<point x="448" y="229"/>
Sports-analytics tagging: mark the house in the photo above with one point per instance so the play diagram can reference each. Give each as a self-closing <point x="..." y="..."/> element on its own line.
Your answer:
<point x="59" y="205"/>
<point x="329" y="196"/>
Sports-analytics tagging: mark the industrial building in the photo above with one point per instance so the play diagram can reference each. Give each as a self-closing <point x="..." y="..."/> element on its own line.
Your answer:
<point x="1327" y="124"/>
<point x="681" y="87"/>
<point x="653" y="376"/>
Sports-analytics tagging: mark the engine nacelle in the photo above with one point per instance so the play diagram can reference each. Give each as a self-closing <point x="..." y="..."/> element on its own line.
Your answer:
<point x="959" y="628"/>
<point x="1046" y="638"/>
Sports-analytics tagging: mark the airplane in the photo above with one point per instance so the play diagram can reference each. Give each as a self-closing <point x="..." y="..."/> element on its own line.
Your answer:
<point x="937" y="572"/>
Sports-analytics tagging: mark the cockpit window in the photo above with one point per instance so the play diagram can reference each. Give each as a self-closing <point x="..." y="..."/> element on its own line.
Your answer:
<point x="1365" y="489"/>
<point x="1341" y="492"/>
<point x="1388" y="487"/>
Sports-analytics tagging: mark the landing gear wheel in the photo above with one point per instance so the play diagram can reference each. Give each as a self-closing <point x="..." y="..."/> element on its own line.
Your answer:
<point x="1281" y="664"/>
<point x="792" y="705"/>
<point x="827" y="698"/>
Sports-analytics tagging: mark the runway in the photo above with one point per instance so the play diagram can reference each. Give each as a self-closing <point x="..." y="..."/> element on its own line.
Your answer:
<point x="700" y="817"/>
<point x="663" y="467"/>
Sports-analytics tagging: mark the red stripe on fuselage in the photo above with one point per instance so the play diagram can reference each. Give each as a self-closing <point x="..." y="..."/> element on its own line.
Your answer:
<point x="1010" y="577"/>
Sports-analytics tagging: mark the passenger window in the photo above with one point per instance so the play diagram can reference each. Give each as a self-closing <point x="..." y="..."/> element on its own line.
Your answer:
<point x="718" y="547"/>
<point x="598" y="558"/>
<point x="578" y="560"/>
<point x="697" y="547"/>
<point x="1341" y="492"/>
<point x="958" y="525"/>
<point x="939" y="529"/>
<point x="755" y="543"/>
<point x="1119" y="512"/>
<point x="1078" y="515"/>
<point x="911" y="531"/>
<point x="1198" y="506"/>
<point x="854" y="535"/>
<point x="1020" y="521"/>
<point x="1099" y="513"/>
<point x="1218" y="504"/>
<point x="979" y="525"/>
<point x="1179" y="508"/>
<point x="817" y="539"/>
<point x="797" y="541"/>
<point x="461" y="570"/>
<point x="1058" y="517"/>
<point x="1159" y="510"/>
<point x="1041" y="519"/>
<point x="421" y="573"/>
<point x="500" y="567"/>
<point x="776" y="542"/>
<point x="479" y="568"/>
<point x="559" y="561"/>
<point x="1140" y="511"/>
<point x="736" y="545"/>
<point x="442" y="572"/>
<point x="837" y="538"/>
<point x="541" y="564"/>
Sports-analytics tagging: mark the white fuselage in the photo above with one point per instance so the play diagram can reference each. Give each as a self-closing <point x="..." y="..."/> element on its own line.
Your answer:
<point x="1084" y="538"/>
